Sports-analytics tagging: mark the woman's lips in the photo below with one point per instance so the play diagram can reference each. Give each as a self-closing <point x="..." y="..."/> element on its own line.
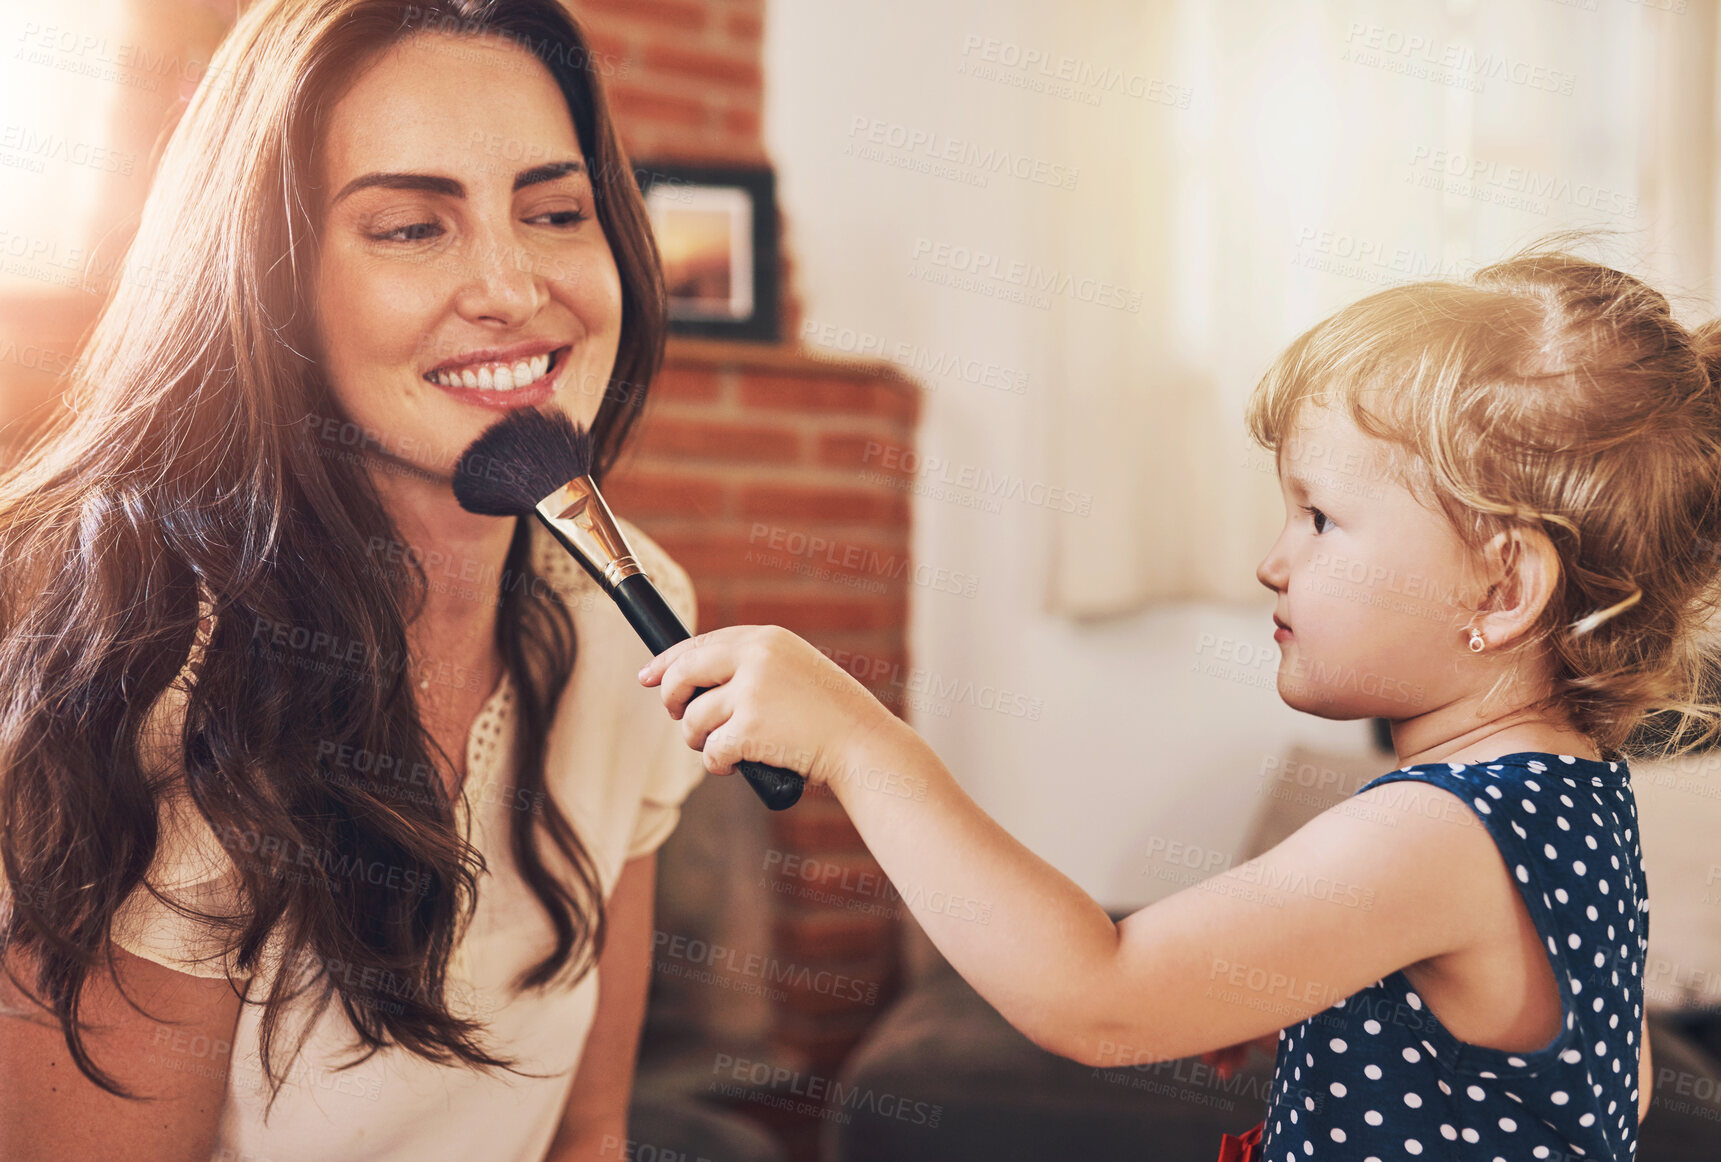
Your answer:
<point x="529" y="381"/>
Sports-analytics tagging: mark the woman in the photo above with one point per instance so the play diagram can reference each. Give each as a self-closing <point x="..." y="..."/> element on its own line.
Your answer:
<point x="315" y="822"/>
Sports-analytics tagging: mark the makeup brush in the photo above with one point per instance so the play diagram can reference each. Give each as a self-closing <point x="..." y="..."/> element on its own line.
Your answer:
<point x="533" y="462"/>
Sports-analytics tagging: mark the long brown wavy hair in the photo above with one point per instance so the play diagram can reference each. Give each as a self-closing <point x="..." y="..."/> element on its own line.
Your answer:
<point x="191" y="469"/>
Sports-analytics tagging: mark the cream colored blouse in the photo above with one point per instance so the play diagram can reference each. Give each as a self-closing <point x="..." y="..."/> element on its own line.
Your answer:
<point x="620" y="771"/>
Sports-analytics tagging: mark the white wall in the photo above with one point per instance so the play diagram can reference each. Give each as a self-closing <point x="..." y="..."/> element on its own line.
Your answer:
<point x="1129" y="743"/>
<point x="1309" y="128"/>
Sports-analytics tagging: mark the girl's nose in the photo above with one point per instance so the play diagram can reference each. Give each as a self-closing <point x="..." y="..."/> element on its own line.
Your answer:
<point x="1274" y="571"/>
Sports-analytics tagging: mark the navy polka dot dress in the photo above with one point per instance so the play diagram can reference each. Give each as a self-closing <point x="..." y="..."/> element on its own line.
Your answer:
<point x="1378" y="1078"/>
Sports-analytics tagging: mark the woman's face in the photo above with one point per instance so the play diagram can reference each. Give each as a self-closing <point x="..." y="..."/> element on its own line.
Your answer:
<point x="462" y="271"/>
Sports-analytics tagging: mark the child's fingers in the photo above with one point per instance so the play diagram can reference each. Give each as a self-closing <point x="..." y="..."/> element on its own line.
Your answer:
<point x="708" y="727"/>
<point x="652" y="671"/>
<point x="712" y="726"/>
<point x="711" y="662"/>
<point x="704" y="715"/>
<point x="724" y="747"/>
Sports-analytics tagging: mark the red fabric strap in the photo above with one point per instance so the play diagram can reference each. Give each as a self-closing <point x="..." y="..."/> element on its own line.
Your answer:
<point x="1245" y="1147"/>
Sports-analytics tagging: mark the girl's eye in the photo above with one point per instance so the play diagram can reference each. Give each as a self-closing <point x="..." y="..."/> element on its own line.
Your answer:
<point x="417" y="232"/>
<point x="1318" y="516"/>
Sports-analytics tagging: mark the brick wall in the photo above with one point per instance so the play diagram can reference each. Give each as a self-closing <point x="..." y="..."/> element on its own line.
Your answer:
<point x="686" y="84"/>
<point x="760" y="469"/>
<point x="687" y="80"/>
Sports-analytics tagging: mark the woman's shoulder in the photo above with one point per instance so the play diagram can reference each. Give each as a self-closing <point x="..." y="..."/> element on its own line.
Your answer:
<point x="194" y="872"/>
<point x="188" y="851"/>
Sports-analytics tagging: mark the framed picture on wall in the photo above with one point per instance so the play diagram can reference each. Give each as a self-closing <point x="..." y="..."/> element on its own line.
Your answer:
<point x="716" y="230"/>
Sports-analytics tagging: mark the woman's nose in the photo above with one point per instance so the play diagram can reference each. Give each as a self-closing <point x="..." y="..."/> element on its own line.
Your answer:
<point x="503" y="284"/>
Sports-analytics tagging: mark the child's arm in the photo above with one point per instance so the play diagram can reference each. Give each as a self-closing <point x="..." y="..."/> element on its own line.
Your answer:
<point x="1353" y="896"/>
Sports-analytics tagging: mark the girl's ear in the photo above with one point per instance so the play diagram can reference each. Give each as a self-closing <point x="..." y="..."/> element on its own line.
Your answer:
<point x="1526" y="568"/>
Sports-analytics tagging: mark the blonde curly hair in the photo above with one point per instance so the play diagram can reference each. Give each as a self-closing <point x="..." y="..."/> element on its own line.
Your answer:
<point x="1558" y="394"/>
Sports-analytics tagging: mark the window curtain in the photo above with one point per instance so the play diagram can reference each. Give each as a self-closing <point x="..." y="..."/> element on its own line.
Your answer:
<point x="1311" y="154"/>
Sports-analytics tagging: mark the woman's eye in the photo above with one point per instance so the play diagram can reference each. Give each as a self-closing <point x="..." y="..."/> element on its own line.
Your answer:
<point x="417" y="232"/>
<point x="1318" y="517"/>
<point x="560" y="218"/>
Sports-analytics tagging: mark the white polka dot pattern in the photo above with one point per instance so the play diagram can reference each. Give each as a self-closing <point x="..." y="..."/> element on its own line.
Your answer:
<point x="1380" y="1074"/>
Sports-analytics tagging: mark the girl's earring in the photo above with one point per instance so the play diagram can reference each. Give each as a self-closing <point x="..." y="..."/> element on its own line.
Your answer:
<point x="1477" y="645"/>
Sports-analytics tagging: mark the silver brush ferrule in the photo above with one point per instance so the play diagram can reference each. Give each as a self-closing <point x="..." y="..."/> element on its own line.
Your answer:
<point x="577" y="512"/>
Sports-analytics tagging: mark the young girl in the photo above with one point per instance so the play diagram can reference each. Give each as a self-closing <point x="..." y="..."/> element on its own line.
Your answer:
<point x="1522" y="471"/>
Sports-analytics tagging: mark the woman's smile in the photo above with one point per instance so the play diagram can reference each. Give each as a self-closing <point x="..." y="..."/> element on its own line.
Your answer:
<point x="521" y="375"/>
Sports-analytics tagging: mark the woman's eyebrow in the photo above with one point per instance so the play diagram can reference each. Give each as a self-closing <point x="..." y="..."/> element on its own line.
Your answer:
<point x="428" y="183"/>
<point x="548" y="172"/>
<point x="453" y="188"/>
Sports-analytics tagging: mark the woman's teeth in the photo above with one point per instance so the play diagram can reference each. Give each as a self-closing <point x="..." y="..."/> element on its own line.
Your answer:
<point x="494" y="376"/>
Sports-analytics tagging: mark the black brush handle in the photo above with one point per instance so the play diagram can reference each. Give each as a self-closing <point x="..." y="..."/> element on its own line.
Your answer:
<point x="655" y="622"/>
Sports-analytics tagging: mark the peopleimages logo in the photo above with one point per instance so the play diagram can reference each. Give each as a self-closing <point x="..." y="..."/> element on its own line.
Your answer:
<point x="1062" y="75"/>
<point x="768" y="969"/>
<point x="333" y="868"/>
<point x="970" y="269"/>
<point x="930" y="364"/>
<point x="41" y="147"/>
<point x="1449" y="63"/>
<point x="783" y="1082"/>
<point x="939" y="147"/>
<point x="877" y="671"/>
<point x="1511" y="184"/>
<point x="980" y="481"/>
<point x="804" y="553"/>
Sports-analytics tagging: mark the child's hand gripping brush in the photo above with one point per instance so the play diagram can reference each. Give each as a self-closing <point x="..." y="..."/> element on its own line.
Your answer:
<point x="533" y="462"/>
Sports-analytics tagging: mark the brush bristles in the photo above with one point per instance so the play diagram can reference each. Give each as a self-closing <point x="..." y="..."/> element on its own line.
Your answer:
<point x="519" y="460"/>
